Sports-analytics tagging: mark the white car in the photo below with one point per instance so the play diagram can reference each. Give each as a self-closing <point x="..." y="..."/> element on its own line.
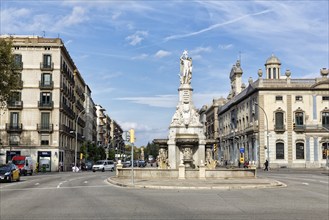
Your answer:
<point x="103" y="165"/>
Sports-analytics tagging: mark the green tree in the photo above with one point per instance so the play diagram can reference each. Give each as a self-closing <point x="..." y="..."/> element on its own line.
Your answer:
<point x="151" y="149"/>
<point x="9" y="76"/>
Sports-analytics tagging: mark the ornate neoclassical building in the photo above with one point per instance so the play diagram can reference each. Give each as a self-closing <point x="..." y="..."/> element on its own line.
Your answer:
<point x="276" y="117"/>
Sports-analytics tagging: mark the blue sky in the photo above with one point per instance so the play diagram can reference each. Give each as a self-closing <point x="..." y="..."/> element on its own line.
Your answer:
<point x="128" y="51"/>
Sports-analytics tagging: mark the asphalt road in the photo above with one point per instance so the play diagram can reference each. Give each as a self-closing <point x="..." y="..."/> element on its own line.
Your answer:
<point x="88" y="195"/>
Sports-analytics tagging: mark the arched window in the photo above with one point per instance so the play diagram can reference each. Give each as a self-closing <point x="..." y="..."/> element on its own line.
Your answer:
<point x="300" y="150"/>
<point x="279" y="120"/>
<point x="299" y="118"/>
<point x="279" y="151"/>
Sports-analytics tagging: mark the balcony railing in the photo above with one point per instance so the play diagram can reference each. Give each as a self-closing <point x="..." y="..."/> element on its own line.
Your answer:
<point x="311" y="128"/>
<point x="47" y="66"/>
<point x="14" y="127"/>
<point x="279" y="128"/>
<point x="48" y="85"/>
<point x="15" y="105"/>
<point x="46" y="105"/>
<point x="47" y="128"/>
<point x="18" y="65"/>
<point x="299" y="128"/>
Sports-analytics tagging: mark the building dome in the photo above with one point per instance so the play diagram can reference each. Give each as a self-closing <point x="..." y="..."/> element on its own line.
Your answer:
<point x="273" y="60"/>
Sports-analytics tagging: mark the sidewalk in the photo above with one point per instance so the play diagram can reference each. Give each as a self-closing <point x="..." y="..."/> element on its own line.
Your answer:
<point x="224" y="184"/>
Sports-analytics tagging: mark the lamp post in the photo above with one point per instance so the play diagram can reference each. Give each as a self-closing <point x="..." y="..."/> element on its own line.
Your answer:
<point x="267" y="136"/>
<point x="76" y="139"/>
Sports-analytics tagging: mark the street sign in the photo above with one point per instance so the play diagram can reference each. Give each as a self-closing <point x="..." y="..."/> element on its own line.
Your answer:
<point x="241" y="150"/>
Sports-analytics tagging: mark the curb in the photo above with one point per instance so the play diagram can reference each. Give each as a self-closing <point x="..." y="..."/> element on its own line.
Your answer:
<point x="224" y="187"/>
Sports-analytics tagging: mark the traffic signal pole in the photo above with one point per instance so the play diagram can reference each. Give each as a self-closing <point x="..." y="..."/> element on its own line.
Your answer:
<point x="132" y="140"/>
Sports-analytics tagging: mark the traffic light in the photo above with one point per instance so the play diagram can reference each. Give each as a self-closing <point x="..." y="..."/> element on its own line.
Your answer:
<point x="132" y="135"/>
<point x="294" y="125"/>
<point x="81" y="156"/>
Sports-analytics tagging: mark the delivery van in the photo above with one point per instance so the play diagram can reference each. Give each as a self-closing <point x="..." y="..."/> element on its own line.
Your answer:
<point x="24" y="164"/>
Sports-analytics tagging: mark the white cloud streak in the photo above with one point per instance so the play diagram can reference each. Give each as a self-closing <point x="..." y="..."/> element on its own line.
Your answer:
<point x="162" y="53"/>
<point x="178" y="36"/>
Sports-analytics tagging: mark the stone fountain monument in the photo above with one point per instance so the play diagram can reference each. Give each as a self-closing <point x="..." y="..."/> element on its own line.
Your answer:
<point x="186" y="140"/>
<point x="186" y="153"/>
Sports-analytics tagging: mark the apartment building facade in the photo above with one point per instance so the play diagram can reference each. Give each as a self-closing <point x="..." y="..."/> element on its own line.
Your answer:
<point x="276" y="118"/>
<point x="42" y="117"/>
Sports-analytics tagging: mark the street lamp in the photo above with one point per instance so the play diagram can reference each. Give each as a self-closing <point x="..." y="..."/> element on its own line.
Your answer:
<point x="76" y="139"/>
<point x="267" y="136"/>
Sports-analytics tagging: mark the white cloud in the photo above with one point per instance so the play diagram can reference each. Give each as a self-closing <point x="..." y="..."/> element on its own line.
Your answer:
<point x="164" y="101"/>
<point x="162" y="53"/>
<point x="200" y="50"/>
<point x="225" y="46"/>
<point x="77" y="16"/>
<point x="137" y="37"/>
<point x="140" y="57"/>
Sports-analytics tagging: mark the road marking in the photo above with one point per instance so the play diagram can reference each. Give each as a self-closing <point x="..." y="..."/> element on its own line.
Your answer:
<point x="85" y="182"/>
<point x="48" y="188"/>
<point x="59" y="185"/>
<point x="323" y="182"/>
<point x="305" y="184"/>
<point x="37" y="184"/>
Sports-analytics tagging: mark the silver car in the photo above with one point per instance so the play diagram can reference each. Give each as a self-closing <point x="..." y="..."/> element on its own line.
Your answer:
<point x="103" y="165"/>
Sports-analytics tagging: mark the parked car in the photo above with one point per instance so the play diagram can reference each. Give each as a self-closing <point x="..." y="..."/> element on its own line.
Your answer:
<point x="128" y="163"/>
<point x="89" y="165"/>
<point x="9" y="172"/>
<point x="103" y="165"/>
<point x="141" y="163"/>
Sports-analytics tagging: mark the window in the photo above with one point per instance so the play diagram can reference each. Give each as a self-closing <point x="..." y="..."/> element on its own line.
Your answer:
<point x="45" y="119"/>
<point x="46" y="98"/>
<point x="46" y="79"/>
<point x="299" y="150"/>
<point x="325" y="147"/>
<point x="15" y="96"/>
<point x="44" y="139"/>
<point x="18" y="60"/>
<point x="278" y="98"/>
<point x="325" y="119"/>
<point x="14" y="119"/>
<point x="279" y="120"/>
<point x="299" y="118"/>
<point x="299" y="98"/>
<point x="279" y="150"/>
<point x="14" y="139"/>
<point x="325" y="98"/>
<point x="47" y="60"/>
<point x="274" y="73"/>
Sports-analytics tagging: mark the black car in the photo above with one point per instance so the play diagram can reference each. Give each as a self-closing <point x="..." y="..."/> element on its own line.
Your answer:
<point x="9" y="172"/>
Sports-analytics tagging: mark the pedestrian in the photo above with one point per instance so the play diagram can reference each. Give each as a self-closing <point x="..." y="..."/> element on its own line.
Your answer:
<point x="266" y="165"/>
<point x="239" y="163"/>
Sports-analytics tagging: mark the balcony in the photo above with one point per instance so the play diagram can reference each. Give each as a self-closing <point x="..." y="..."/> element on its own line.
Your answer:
<point x="47" y="66"/>
<point x="299" y="128"/>
<point x="279" y="128"/>
<point x="15" y="105"/>
<point x="45" y="128"/>
<point x="14" y="128"/>
<point x="46" y="86"/>
<point x="46" y="105"/>
<point x="315" y="128"/>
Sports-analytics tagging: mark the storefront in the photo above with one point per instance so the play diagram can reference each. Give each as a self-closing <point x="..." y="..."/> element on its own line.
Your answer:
<point x="44" y="161"/>
<point x="11" y="154"/>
